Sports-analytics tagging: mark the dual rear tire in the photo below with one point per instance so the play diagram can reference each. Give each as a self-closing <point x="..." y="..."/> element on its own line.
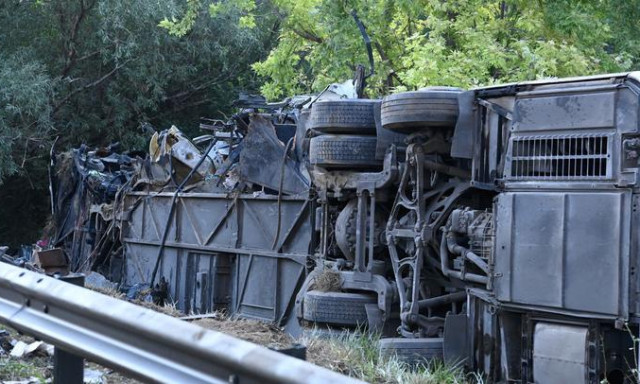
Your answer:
<point x="346" y="129"/>
<point x="345" y="132"/>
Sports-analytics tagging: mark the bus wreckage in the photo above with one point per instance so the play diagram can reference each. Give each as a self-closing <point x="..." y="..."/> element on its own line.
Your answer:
<point x="495" y="228"/>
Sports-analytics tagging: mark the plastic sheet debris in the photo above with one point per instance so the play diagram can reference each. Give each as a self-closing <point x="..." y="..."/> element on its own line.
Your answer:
<point x="98" y="281"/>
<point x="94" y="376"/>
<point x="22" y="349"/>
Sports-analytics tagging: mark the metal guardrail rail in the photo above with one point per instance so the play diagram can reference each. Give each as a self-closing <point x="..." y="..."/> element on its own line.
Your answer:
<point x="145" y="344"/>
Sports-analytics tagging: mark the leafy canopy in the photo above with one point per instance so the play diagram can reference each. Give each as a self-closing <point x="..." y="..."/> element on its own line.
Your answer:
<point x="92" y="71"/>
<point x="462" y="43"/>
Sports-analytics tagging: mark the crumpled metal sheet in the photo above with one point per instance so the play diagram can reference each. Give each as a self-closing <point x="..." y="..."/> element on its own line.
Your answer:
<point x="84" y="186"/>
<point x="174" y="144"/>
<point x="262" y="157"/>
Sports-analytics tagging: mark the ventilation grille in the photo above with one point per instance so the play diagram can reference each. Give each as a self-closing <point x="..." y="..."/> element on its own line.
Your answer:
<point x="560" y="157"/>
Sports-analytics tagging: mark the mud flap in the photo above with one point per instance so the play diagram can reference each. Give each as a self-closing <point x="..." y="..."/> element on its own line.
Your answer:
<point x="374" y="318"/>
<point x="455" y="344"/>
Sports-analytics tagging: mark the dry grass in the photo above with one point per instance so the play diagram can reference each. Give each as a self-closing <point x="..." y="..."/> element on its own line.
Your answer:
<point x="328" y="281"/>
<point x="168" y="309"/>
<point x="353" y="354"/>
<point x="254" y="331"/>
<point x="108" y="291"/>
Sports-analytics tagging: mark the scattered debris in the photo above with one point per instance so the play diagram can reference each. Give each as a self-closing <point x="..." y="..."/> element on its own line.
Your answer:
<point x="84" y="187"/>
<point x="31" y="380"/>
<point x="52" y="261"/>
<point x="93" y="376"/>
<point x="174" y="152"/>
<point x="99" y="282"/>
<point x="22" y="349"/>
<point x="214" y="315"/>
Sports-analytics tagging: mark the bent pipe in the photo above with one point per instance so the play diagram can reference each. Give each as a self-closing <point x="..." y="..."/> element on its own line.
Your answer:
<point x="458" y="249"/>
<point x="444" y="257"/>
<point x="421" y="320"/>
<point x="442" y="300"/>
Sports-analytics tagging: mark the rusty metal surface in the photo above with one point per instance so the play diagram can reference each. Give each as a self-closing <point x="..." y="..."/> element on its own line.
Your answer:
<point x="145" y="344"/>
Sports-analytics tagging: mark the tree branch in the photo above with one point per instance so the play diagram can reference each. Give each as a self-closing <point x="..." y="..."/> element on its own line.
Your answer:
<point x="190" y="92"/>
<point x="384" y="57"/>
<point x="308" y="35"/>
<point x="71" y="41"/>
<point x="90" y="85"/>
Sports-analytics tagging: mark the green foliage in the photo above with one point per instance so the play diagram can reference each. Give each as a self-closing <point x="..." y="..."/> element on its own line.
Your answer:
<point x="25" y="112"/>
<point x="92" y="71"/>
<point x="457" y="43"/>
<point x="183" y="26"/>
<point x="358" y="355"/>
<point x="14" y="370"/>
<point x="242" y="11"/>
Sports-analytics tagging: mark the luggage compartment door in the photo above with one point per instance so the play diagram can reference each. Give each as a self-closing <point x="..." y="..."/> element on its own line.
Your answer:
<point x="564" y="250"/>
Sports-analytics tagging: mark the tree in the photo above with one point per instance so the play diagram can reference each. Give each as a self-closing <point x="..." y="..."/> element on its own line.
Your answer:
<point x="457" y="43"/>
<point x="91" y="71"/>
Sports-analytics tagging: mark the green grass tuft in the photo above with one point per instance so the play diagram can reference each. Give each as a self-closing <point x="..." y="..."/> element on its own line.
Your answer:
<point x="11" y="369"/>
<point x="357" y="355"/>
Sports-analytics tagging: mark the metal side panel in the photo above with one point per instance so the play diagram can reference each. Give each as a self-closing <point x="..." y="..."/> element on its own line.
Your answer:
<point x="547" y="111"/>
<point x="221" y="223"/>
<point x="559" y="354"/>
<point x="564" y="250"/>
<point x="265" y="288"/>
<point x="220" y="251"/>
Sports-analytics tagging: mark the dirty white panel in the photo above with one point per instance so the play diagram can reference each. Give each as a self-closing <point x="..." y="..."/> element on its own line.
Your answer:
<point x="594" y="110"/>
<point x="559" y="354"/>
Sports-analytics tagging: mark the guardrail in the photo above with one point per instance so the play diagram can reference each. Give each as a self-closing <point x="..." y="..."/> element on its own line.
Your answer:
<point x="142" y="343"/>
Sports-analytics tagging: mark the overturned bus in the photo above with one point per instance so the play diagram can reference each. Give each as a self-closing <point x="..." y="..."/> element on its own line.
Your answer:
<point x="495" y="228"/>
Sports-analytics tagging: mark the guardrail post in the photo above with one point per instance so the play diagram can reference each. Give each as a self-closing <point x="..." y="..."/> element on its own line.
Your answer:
<point x="67" y="367"/>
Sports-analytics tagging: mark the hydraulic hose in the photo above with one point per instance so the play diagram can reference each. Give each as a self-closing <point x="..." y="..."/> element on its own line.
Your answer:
<point x="444" y="257"/>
